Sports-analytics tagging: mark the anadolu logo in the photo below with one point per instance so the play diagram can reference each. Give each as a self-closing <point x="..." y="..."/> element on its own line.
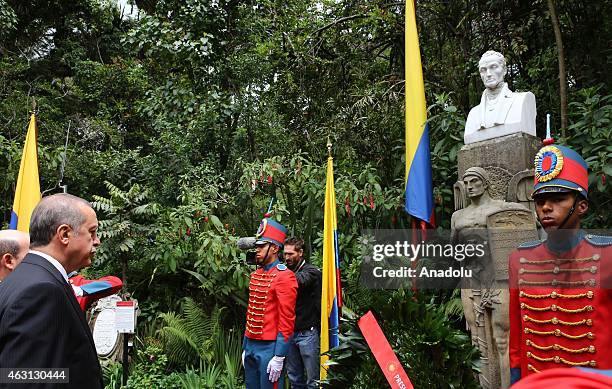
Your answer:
<point x="391" y="368"/>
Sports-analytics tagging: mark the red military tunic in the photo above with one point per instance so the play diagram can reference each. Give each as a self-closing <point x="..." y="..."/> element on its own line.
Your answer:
<point x="561" y="306"/>
<point x="271" y="309"/>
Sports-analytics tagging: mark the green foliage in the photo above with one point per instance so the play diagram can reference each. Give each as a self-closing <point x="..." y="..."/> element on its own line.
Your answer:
<point x="127" y="224"/>
<point x="446" y="125"/>
<point x="10" y="155"/>
<point x="299" y="187"/>
<point x="151" y="368"/>
<point x="191" y="337"/>
<point x="150" y="371"/>
<point x="197" y="242"/>
<point x="111" y="375"/>
<point x="186" y="119"/>
<point x="209" y="377"/>
<point x="423" y="336"/>
<point x="8" y="19"/>
<point x="591" y="117"/>
<point x="197" y="338"/>
<point x="205" y="378"/>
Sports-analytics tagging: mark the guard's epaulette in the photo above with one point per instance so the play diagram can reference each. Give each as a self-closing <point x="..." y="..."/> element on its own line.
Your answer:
<point x="529" y="245"/>
<point x="598" y="240"/>
<point x="281" y="267"/>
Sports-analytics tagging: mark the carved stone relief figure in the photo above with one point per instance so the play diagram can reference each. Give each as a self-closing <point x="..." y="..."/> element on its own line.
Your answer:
<point x="485" y="298"/>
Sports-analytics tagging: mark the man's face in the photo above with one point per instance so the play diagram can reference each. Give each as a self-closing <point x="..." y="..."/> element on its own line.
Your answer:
<point x="83" y="241"/>
<point x="264" y="253"/>
<point x="474" y="185"/>
<point x="492" y="71"/>
<point x="8" y="261"/>
<point x="292" y="256"/>
<point x="553" y="208"/>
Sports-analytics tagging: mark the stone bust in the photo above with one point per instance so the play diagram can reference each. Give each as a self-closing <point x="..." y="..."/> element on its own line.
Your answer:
<point x="501" y="111"/>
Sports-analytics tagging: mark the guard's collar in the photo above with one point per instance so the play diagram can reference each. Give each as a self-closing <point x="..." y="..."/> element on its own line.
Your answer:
<point x="567" y="242"/>
<point x="271" y="265"/>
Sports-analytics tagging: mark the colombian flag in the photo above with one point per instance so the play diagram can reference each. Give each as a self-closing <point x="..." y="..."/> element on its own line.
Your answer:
<point x="419" y="194"/>
<point x="331" y="291"/>
<point x="27" y="192"/>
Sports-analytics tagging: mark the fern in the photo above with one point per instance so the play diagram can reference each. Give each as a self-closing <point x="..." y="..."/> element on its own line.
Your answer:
<point x="454" y="307"/>
<point x="178" y="342"/>
<point x="194" y="336"/>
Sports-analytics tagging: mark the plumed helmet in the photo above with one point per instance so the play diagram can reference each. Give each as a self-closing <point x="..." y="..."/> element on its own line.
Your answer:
<point x="560" y="169"/>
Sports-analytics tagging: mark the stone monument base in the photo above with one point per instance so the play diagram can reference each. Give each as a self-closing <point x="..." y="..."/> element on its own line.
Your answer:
<point x="513" y="152"/>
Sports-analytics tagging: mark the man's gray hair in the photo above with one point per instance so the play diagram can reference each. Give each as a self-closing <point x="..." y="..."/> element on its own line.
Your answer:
<point x="492" y="53"/>
<point x="8" y="246"/>
<point x="53" y="211"/>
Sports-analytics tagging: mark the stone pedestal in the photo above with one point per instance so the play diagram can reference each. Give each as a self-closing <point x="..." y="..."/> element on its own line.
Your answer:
<point x="513" y="152"/>
<point x="508" y="162"/>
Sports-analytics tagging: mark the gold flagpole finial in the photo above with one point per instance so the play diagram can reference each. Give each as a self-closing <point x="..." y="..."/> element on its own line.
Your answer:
<point x="329" y="147"/>
<point x="33" y="105"/>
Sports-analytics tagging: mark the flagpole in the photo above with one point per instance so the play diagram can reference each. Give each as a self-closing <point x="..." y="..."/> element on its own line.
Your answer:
<point x="418" y="196"/>
<point x="414" y="264"/>
<point x="423" y="230"/>
<point x="331" y="288"/>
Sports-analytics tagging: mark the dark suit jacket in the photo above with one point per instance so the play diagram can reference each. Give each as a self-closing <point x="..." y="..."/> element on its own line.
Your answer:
<point x="42" y="325"/>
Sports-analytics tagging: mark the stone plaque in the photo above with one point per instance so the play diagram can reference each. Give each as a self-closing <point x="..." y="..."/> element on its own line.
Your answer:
<point x="104" y="333"/>
<point x="102" y="323"/>
<point x="506" y="230"/>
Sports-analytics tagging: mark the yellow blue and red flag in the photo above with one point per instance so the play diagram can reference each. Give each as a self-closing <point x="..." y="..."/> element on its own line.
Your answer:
<point x="27" y="192"/>
<point x="331" y="289"/>
<point x="419" y="194"/>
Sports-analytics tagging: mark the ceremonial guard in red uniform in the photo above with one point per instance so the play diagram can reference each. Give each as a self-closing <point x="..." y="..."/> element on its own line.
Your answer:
<point x="560" y="288"/>
<point x="89" y="291"/>
<point x="271" y="311"/>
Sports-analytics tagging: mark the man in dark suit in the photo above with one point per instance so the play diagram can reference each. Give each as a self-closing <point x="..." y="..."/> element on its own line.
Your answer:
<point x="41" y="323"/>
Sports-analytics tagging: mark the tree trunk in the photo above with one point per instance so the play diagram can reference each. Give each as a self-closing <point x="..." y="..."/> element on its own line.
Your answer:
<point x="561" y="58"/>
<point x="124" y="269"/>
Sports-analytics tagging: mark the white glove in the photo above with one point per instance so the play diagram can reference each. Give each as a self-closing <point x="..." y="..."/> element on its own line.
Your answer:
<point x="275" y="367"/>
<point x="243" y="358"/>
